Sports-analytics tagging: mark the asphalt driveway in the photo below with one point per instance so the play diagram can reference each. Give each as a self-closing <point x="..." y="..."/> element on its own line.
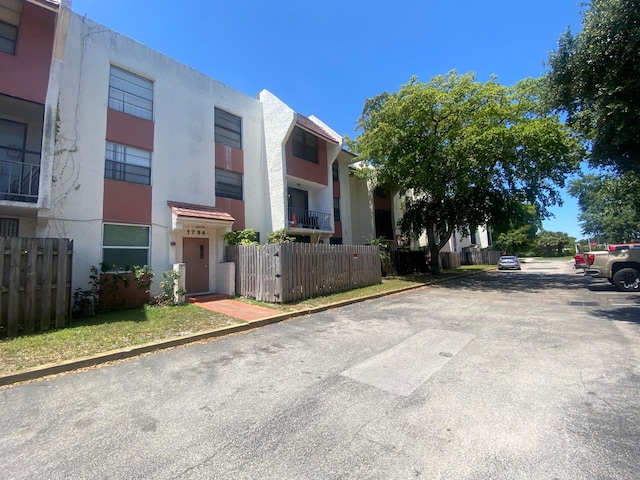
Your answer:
<point x="512" y="374"/>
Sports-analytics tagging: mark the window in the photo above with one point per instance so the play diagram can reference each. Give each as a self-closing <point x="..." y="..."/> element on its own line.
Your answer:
<point x="128" y="164"/>
<point x="228" y="184"/>
<point x="8" y="37"/>
<point x="380" y="192"/>
<point x="305" y="145"/>
<point x="228" y="129"/>
<point x="9" y="227"/>
<point x="125" y="246"/>
<point x="384" y="224"/>
<point x="13" y="136"/>
<point x="336" y="209"/>
<point x="130" y="93"/>
<point x="335" y="172"/>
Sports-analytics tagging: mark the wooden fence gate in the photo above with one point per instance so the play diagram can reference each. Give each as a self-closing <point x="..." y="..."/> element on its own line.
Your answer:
<point x="35" y="284"/>
<point x="287" y="272"/>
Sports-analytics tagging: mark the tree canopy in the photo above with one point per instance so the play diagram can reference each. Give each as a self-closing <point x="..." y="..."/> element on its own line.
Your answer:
<point x="608" y="208"/>
<point x="516" y="234"/>
<point x="594" y="77"/>
<point x="552" y="244"/>
<point x="465" y="153"/>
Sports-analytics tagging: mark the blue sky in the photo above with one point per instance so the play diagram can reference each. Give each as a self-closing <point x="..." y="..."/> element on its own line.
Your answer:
<point x="324" y="57"/>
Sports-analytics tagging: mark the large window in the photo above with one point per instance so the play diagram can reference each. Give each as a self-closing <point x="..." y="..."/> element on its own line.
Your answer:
<point x="335" y="172"/>
<point x="124" y="246"/>
<point x="305" y="145"/>
<point x="336" y="209"/>
<point x="128" y="164"/>
<point x="130" y="93"/>
<point x="8" y="37"/>
<point x="228" y="129"/>
<point x="228" y="184"/>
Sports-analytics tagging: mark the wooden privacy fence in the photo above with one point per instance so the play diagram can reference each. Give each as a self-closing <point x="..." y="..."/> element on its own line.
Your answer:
<point x="287" y="272"/>
<point x="450" y="260"/>
<point x="480" y="256"/>
<point x="35" y="287"/>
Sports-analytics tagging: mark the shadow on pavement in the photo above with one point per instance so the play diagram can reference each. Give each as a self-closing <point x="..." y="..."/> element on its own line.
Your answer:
<point x="517" y="281"/>
<point x="620" y="314"/>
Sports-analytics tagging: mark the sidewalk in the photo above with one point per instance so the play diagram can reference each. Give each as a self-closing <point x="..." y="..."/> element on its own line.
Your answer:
<point x="233" y="308"/>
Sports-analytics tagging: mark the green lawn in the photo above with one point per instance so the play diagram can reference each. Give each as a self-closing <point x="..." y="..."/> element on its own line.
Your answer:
<point x="129" y="328"/>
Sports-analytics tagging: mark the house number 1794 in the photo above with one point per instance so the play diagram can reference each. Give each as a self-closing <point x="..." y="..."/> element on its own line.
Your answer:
<point x="196" y="232"/>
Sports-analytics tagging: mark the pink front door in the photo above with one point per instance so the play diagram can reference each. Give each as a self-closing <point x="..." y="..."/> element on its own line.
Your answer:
<point x="196" y="258"/>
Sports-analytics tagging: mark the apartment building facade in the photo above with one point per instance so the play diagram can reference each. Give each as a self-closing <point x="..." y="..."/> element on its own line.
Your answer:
<point x="142" y="160"/>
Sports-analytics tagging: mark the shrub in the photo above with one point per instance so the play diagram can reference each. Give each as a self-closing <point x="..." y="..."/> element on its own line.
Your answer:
<point x="280" y="236"/>
<point x="242" y="237"/>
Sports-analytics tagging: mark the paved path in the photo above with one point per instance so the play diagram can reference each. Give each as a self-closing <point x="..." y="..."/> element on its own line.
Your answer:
<point x="506" y="375"/>
<point x="235" y="308"/>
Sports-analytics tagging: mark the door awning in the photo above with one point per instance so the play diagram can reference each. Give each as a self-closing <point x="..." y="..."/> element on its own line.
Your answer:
<point x="187" y="215"/>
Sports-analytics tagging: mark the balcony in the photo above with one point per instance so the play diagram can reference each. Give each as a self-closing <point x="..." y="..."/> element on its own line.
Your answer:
<point x="19" y="175"/>
<point x="299" y="218"/>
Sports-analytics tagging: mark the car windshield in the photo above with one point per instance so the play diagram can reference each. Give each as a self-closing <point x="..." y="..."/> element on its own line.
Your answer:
<point x="508" y="258"/>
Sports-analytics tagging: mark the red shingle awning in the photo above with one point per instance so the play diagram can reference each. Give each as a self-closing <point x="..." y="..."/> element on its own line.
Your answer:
<point x="204" y="212"/>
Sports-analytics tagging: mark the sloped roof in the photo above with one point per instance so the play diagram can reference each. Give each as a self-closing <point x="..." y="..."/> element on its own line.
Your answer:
<point x="191" y="210"/>
<point x="49" y="4"/>
<point x="313" y="127"/>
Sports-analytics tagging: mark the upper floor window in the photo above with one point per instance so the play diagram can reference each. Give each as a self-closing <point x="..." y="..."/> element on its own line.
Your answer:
<point x="128" y="164"/>
<point x="228" y="184"/>
<point x="335" y="172"/>
<point x="336" y="209"/>
<point x="228" y="129"/>
<point x="305" y="145"/>
<point x="8" y="38"/>
<point x="130" y="93"/>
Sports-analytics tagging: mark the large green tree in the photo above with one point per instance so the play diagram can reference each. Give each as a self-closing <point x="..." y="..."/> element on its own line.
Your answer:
<point x="464" y="152"/>
<point x="608" y="206"/>
<point x="553" y="243"/>
<point x="516" y="233"/>
<point x="594" y="77"/>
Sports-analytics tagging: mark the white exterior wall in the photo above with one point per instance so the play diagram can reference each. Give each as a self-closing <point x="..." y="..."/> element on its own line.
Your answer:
<point x="457" y="242"/>
<point x="183" y="160"/>
<point x="346" y="219"/>
<point x="279" y="121"/>
<point x="362" y="211"/>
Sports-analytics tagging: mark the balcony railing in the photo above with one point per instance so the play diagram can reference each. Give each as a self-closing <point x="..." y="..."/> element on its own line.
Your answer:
<point x="301" y="218"/>
<point x="19" y="175"/>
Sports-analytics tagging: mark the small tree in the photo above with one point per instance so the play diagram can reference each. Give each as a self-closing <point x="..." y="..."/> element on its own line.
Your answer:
<point x="280" y="236"/>
<point x="242" y="237"/>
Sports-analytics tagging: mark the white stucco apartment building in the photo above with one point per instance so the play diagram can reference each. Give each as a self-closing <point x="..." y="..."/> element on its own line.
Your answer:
<point x="143" y="160"/>
<point x="140" y="159"/>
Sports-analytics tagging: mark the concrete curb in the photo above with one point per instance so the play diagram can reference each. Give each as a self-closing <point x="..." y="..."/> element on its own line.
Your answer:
<point x="124" y="353"/>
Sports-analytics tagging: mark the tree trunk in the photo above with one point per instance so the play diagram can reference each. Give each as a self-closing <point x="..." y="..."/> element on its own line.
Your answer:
<point x="435" y="245"/>
<point x="434" y="250"/>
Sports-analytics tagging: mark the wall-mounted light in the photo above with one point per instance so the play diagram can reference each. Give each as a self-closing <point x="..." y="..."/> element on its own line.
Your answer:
<point x="173" y="244"/>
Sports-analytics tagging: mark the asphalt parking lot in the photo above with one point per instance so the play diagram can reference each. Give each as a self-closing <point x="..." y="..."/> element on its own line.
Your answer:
<point x="511" y="374"/>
